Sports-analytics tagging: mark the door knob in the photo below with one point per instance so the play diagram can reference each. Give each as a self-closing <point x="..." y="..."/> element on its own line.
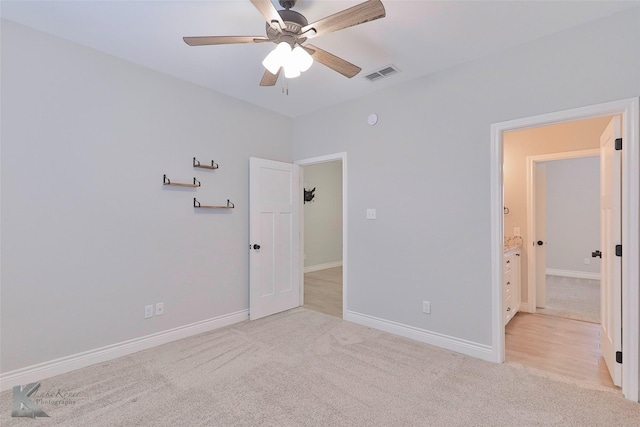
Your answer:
<point x="540" y="242"/>
<point x="256" y="246"/>
<point x="596" y="254"/>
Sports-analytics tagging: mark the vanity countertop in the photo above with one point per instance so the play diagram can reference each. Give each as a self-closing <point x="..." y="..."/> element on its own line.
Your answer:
<point x="512" y="242"/>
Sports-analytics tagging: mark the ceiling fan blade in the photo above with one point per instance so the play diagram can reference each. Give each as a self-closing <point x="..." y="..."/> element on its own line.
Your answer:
<point x="270" y="13"/>
<point x="345" y="68"/>
<point x="212" y="40"/>
<point x="269" y="79"/>
<point x="358" y="14"/>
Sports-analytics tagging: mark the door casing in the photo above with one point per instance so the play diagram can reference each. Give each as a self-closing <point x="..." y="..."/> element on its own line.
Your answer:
<point x="629" y="109"/>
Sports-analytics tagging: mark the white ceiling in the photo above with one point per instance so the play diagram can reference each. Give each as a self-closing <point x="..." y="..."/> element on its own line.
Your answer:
<point x="418" y="37"/>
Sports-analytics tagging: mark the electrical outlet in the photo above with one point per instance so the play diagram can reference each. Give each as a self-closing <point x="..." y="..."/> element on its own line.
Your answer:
<point x="148" y="311"/>
<point x="159" y="309"/>
<point x="516" y="231"/>
<point x="587" y="261"/>
<point x="371" y="213"/>
<point x="426" y="307"/>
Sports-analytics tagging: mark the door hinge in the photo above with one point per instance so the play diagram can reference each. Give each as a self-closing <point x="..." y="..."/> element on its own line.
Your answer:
<point x="618" y="356"/>
<point x="618" y="250"/>
<point x="618" y="143"/>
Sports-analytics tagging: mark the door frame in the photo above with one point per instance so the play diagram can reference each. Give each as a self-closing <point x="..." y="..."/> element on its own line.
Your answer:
<point x="313" y="161"/>
<point x="530" y="307"/>
<point x="629" y="109"/>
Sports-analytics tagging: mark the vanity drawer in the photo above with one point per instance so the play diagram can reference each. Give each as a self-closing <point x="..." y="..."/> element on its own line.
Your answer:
<point x="507" y="264"/>
<point x="507" y="281"/>
<point x="509" y="309"/>
<point x="510" y="284"/>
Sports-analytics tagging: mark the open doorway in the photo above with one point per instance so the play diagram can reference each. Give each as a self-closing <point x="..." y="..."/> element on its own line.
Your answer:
<point x="554" y="205"/>
<point x="628" y="109"/>
<point x="324" y="237"/>
<point x="568" y="224"/>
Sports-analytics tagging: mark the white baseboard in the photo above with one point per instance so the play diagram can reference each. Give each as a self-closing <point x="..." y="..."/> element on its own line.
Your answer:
<point x="571" y="273"/>
<point x="59" y="366"/>
<point x="481" y="351"/>
<point x="317" y="267"/>
<point x="524" y="306"/>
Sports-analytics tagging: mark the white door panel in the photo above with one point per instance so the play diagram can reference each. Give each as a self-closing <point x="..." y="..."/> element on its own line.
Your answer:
<point x="275" y="239"/>
<point x="610" y="236"/>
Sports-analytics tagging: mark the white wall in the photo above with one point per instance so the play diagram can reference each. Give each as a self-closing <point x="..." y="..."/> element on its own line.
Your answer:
<point x="323" y="216"/>
<point x="573" y="214"/>
<point x="89" y="233"/>
<point x="426" y="168"/>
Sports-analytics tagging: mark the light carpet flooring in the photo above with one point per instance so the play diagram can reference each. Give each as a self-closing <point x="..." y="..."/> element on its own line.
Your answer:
<point x="303" y="368"/>
<point x="572" y="298"/>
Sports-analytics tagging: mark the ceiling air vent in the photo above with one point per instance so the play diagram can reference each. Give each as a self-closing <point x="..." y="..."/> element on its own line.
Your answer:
<point x="382" y="73"/>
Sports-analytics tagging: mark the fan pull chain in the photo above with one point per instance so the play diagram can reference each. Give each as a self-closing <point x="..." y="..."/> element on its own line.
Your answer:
<point x="285" y="86"/>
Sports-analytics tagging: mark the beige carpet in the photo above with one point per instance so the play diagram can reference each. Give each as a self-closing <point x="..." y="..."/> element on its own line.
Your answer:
<point x="303" y="368"/>
<point x="572" y="298"/>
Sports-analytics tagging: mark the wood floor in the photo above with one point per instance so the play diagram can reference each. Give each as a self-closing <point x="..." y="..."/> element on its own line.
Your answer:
<point x="566" y="347"/>
<point x="323" y="291"/>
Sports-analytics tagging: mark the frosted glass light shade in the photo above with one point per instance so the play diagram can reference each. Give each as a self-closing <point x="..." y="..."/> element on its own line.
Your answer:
<point x="291" y="71"/>
<point x="293" y="61"/>
<point x="277" y="57"/>
<point x="301" y="58"/>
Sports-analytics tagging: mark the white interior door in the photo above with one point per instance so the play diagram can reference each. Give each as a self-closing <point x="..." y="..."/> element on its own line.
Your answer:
<point x="610" y="236"/>
<point x="274" y="197"/>
<point x="540" y="237"/>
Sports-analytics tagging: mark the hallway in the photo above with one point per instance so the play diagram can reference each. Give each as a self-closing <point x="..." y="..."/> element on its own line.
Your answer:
<point x="323" y="291"/>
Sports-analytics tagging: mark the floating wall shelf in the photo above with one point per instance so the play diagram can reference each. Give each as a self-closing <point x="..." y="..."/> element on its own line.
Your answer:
<point x="196" y="164"/>
<point x="196" y="204"/>
<point x="167" y="181"/>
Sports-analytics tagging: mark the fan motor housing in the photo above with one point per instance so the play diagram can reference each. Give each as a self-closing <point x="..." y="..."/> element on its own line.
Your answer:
<point x="294" y="22"/>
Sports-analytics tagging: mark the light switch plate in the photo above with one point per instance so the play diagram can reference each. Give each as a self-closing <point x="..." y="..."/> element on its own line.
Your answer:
<point x="371" y="214"/>
<point x="426" y="307"/>
<point x="516" y="231"/>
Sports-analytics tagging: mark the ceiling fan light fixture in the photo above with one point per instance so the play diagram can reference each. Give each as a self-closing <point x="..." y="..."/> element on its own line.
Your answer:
<point x="277" y="57"/>
<point x="293" y="61"/>
<point x="301" y="58"/>
<point x="290" y="29"/>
